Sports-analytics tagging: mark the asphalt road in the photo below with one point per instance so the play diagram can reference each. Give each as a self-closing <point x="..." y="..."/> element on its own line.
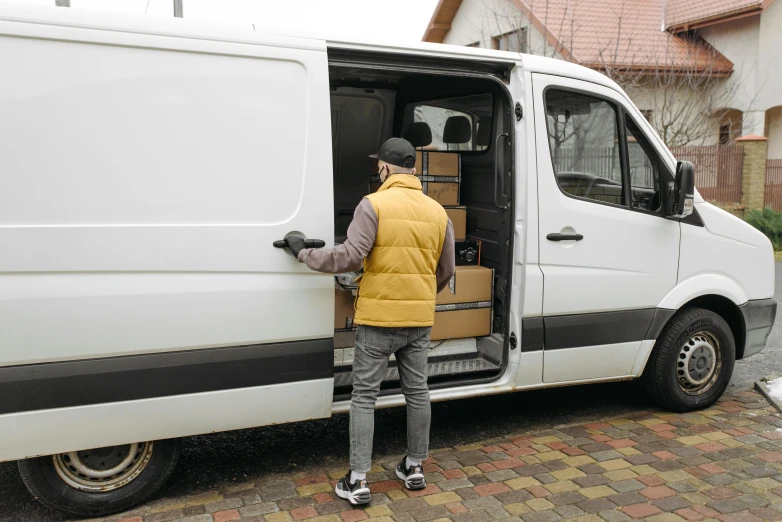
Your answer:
<point x="210" y="460"/>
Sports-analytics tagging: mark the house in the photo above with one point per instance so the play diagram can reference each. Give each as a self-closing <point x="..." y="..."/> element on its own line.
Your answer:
<point x="702" y="72"/>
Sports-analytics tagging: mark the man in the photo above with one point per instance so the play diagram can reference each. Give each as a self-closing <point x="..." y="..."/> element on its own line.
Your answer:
<point x="405" y="241"/>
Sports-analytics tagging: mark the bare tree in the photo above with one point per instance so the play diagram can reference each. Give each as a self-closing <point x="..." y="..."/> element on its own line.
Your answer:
<point x="684" y="97"/>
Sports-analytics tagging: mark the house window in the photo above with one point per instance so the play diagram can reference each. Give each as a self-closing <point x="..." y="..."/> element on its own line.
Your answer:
<point x="514" y="41"/>
<point x="647" y="114"/>
<point x="474" y="44"/>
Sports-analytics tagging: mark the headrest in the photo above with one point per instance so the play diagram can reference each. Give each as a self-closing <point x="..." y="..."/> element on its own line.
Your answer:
<point x="419" y="134"/>
<point x="457" y="130"/>
<point x="483" y="134"/>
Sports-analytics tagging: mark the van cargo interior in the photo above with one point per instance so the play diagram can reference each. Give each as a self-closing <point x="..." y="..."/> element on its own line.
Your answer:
<point x="457" y="120"/>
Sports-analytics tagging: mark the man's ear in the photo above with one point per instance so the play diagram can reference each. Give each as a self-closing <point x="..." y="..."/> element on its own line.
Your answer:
<point x="413" y="172"/>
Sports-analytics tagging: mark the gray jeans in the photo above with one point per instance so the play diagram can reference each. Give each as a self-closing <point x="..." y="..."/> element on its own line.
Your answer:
<point x="373" y="348"/>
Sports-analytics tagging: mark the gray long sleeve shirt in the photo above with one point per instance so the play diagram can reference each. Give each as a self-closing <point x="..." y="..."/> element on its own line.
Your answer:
<point x="362" y="231"/>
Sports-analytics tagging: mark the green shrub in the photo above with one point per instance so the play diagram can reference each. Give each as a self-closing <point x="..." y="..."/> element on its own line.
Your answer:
<point x="769" y="222"/>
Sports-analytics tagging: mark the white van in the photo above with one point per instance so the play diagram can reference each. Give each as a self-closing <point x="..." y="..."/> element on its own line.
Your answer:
<point x="147" y="166"/>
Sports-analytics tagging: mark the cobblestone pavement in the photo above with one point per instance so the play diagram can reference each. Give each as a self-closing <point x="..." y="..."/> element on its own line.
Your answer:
<point x="724" y="463"/>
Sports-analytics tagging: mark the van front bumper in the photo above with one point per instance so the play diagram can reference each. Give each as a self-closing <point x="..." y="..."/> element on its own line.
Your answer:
<point x="759" y="318"/>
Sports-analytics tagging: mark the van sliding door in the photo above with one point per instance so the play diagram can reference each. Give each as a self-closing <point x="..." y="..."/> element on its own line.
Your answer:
<point x="143" y="298"/>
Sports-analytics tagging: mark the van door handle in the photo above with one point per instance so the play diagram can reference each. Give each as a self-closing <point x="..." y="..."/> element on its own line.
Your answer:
<point x="564" y="237"/>
<point x="308" y="243"/>
<point x="498" y="172"/>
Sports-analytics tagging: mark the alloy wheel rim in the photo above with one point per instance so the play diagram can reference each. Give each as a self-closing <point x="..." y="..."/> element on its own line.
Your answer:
<point x="100" y="470"/>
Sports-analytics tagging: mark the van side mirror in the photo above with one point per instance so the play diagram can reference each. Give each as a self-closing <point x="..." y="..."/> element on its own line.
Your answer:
<point x="682" y="191"/>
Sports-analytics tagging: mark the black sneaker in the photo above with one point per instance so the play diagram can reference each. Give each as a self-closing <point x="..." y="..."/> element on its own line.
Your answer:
<point x="357" y="493"/>
<point x="413" y="476"/>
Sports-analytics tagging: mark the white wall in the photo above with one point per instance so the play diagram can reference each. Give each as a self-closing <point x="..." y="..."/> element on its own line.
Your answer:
<point x="774" y="132"/>
<point x="769" y="80"/>
<point x="738" y="41"/>
<point x="480" y="20"/>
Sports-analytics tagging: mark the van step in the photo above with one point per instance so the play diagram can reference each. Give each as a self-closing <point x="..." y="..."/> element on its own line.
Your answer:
<point x="435" y="369"/>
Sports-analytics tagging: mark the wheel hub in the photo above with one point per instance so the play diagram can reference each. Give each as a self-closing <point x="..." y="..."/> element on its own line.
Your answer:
<point x="103" y="469"/>
<point x="698" y="363"/>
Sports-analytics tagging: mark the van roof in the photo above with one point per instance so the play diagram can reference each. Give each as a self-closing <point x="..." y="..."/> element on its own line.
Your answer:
<point x="247" y="33"/>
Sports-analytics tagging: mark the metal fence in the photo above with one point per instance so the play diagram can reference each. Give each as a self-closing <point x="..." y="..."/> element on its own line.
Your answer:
<point x="600" y="161"/>
<point x="718" y="170"/>
<point x="772" y="195"/>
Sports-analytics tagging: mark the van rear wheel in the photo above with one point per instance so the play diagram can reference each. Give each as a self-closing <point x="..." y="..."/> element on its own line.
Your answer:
<point x="692" y="361"/>
<point x="100" y="481"/>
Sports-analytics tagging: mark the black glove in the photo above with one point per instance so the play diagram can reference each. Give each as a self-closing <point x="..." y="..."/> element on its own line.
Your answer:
<point x="296" y="244"/>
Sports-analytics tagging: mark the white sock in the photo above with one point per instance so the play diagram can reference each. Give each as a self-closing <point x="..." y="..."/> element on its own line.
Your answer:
<point x="355" y="476"/>
<point x="410" y="462"/>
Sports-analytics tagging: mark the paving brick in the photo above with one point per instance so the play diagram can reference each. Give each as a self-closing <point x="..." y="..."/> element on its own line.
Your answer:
<point x="623" y="486"/>
<point x="721" y="493"/>
<point x="642" y="510"/>
<point x="539" y="504"/>
<point x="566" y="498"/>
<point x="596" y="505"/>
<point x="613" y="515"/>
<point x="354" y="515"/>
<point x="672" y="503"/>
<point x="657" y="492"/>
<point x="425" y="514"/>
<point x="626" y="499"/>
<point x="569" y="511"/>
<point x="453" y="473"/>
<point x="542" y="516"/>
<point x="591" y="480"/>
<point x="451" y="485"/>
<point x="491" y="489"/>
<point x="727" y="506"/>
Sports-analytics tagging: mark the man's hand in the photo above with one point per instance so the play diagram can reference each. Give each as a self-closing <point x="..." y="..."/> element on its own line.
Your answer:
<point x="296" y="244"/>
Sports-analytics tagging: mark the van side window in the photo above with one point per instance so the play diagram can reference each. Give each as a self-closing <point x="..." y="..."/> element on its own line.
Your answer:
<point x="584" y="139"/>
<point x="456" y="124"/>
<point x="644" y="169"/>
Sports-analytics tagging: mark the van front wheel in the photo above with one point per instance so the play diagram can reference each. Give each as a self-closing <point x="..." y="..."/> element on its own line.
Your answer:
<point x="100" y="481"/>
<point x="692" y="361"/>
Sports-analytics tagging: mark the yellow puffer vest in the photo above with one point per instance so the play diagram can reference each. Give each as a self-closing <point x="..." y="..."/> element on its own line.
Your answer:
<point x="399" y="286"/>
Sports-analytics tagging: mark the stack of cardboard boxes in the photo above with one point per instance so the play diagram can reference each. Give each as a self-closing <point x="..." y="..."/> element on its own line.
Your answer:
<point x="464" y="308"/>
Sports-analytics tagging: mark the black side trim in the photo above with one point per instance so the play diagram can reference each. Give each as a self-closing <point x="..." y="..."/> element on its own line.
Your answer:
<point x="759" y="318"/>
<point x="532" y="334"/>
<point x="660" y="319"/>
<point x="415" y="62"/>
<point x="96" y="381"/>
<point x="571" y="331"/>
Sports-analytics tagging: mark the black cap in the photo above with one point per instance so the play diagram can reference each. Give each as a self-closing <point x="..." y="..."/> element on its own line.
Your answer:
<point x="396" y="151"/>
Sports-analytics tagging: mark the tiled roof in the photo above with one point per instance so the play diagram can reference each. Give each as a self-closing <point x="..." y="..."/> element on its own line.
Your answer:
<point x="679" y="14"/>
<point x="620" y="34"/>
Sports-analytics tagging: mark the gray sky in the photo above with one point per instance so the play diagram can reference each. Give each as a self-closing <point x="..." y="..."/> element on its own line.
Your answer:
<point x="388" y="20"/>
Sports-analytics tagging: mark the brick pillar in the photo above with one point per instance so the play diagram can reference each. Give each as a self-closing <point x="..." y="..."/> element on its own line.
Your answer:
<point x="754" y="171"/>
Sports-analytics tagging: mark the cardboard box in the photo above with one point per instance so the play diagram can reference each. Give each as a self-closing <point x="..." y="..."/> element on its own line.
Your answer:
<point x="460" y="324"/>
<point x="445" y="193"/>
<point x="470" y="284"/>
<point x="464" y="308"/>
<point x="437" y="163"/>
<point x="440" y="175"/>
<point x="458" y="217"/>
<point x="343" y="310"/>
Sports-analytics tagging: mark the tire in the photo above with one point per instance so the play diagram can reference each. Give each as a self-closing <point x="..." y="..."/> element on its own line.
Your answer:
<point x="59" y="481"/>
<point x="679" y="375"/>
